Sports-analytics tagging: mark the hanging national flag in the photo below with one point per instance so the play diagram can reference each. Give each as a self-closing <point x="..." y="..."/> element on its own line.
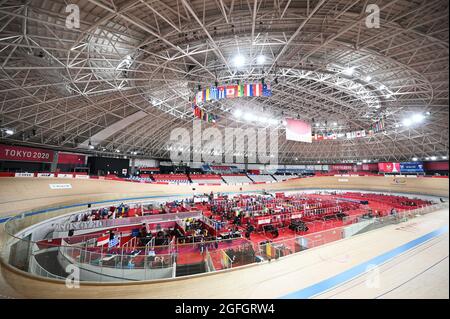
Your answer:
<point x="103" y="240"/>
<point x="257" y="89"/>
<point x="248" y="90"/>
<point x="266" y="90"/>
<point x="240" y="90"/>
<point x="207" y="97"/>
<point x="204" y="95"/>
<point x="214" y="93"/>
<point x="363" y="133"/>
<point x="231" y="91"/>
<point x="199" y="97"/>
<point x="222" y="92"/>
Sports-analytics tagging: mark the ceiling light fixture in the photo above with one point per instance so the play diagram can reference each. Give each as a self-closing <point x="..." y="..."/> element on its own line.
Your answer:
<point x="407" y="122"/>
<point x="260" y="59"/>
<point x="273" y="121"/>
<point x="237" y="113"/>
<point x="417" y="118"/>
<point x="349" y="70"/>
<point x="239" y="61"/>
<point x="249" y="117"/>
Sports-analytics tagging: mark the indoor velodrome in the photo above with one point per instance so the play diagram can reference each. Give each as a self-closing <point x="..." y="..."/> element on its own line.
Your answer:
<point x="226" y="149"/>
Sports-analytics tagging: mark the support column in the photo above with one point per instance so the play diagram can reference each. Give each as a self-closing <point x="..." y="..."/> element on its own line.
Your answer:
<point x="132" y="166"/>
<point x="54" y="164"/>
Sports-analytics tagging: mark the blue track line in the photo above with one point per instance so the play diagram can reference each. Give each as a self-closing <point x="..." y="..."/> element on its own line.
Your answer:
<point x="334" y="281"/>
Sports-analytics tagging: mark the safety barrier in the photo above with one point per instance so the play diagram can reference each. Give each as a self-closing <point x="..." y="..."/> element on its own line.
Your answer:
<point x="104" y="265"/>
<point x="121" y="265"/>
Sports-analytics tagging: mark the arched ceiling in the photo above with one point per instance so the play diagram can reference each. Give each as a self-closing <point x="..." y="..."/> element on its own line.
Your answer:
<point x="127" y="76"/>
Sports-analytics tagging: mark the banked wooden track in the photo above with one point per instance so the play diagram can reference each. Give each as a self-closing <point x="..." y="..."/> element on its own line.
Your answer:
<point x="24" y="194"/>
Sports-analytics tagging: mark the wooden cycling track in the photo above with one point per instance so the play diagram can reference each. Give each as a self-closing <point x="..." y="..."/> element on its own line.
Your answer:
<point x="424" y="266"/>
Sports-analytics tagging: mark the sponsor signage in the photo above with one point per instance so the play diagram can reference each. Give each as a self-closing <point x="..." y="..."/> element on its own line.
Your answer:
<point x="342" y="180"/>
<point x="60" y="186"/>
<point x="45" y="175"/>
<point x="264" y="221"/>
<point x="26" y="154"/>
<point x="82" y="176"/>
<point x="411" y="167"/>
<point x="23" y="174"/>
<point x="65" y="175"/>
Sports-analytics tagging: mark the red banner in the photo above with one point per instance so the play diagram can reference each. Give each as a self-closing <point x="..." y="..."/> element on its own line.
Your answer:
<point x="70" y="158"/>
<point x="366" y="167"/>
<point x="26" y="154"/>
<point x="436" y="166"/>
<point x="389" y="167"/>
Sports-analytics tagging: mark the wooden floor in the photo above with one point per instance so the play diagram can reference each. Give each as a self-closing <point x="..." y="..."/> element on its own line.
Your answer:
<point x="295" y="272"/>
<point x="419" y="273"/>
<point x="423" y="267"/>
